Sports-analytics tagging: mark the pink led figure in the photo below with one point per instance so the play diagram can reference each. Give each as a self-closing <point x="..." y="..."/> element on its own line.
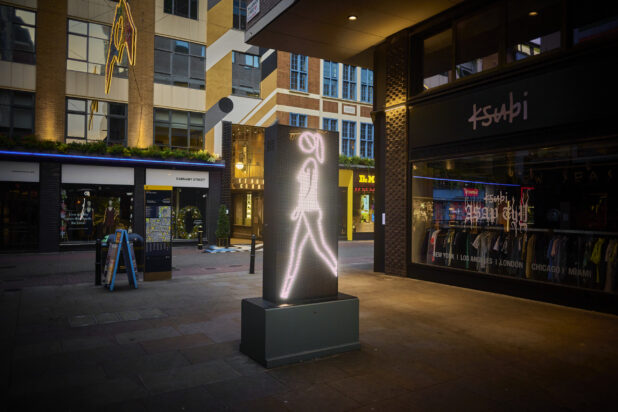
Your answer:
<point x="308" y="214"/>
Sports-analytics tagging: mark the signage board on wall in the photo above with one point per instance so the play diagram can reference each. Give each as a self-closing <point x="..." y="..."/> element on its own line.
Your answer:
<point x="347" y="109"/>
<point x="177" y="178"/>
<point x="105" y="175"/>
<point x="300" y="214"/>
<point x="253" y="9"/>
<point x="523" y="103"/>
<point x="19" y="172"/>
<point x="158" y="248"/>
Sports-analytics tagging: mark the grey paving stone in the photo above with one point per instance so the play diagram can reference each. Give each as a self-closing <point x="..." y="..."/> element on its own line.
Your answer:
<point x="245" y="388"/>
<point x="151" y="313"/>
<point x="71" y="345"/>
<point x="37" y="349"/>
<point x="146" y="334"/>
<point x="82" y="320"/>
<point x="211" y="352"/>
<point x="320" y="397"/>
<point x="189" y="376"/>
<point x="129" y="315"/>
<point x="368" y="388"/>
<point x="195" y="399"/>
<point x="176" y="343"/>
<point x="110" y="317"/>
<point x="144" y="364"/>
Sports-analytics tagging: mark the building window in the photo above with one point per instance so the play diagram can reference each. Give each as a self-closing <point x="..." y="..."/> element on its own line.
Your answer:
<point x="179" y="63"/>
<point x="530" y="35"/>
<point x="298" y="72"/>
<point x="348" y="137"/>
<point x="366" y="140"/>
<point x="95" y="121"/>
<point x="329" y="124"/>
<point x="182" y="8"/>
<point x="349" y="82"/>
<point x="366" y="85"/>
<point x="330" y="78"/>
<point x="299" y="120"/>
<point x="246" y="74"/>
<point x="87" y="50"/>
<point x="173" y="128"/>
<point x="437" y="59"/>
<point x="591" y="22"/>
<point x="17" y="35"/>
<point x="240" y="14"/>
<point x="16" y="113"/>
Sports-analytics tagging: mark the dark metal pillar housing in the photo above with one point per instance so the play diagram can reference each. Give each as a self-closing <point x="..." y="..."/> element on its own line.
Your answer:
<point x="49" y="207"/>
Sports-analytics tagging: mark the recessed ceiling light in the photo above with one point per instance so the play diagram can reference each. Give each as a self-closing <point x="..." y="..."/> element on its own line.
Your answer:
<point x="352" y="17"/>
<point x="533" y="13"/>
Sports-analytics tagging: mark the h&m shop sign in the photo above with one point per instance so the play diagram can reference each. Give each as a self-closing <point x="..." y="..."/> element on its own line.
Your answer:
<point x="574" y="93"/>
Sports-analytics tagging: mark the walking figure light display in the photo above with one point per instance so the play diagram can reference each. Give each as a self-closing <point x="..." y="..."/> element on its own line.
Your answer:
<point x="308" y="214"/>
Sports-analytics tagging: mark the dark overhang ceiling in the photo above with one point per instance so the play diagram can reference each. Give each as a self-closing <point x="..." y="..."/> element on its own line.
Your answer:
<point x="320" y="28"/>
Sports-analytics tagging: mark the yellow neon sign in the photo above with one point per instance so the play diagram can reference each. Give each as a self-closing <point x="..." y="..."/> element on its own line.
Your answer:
<point x="122" y="36"/>
<point x="366" y="179"/>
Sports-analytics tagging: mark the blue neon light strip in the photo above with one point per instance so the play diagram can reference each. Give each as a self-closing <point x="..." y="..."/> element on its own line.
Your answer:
<point x="113" y="159"/>
<point x="465" y="181"/>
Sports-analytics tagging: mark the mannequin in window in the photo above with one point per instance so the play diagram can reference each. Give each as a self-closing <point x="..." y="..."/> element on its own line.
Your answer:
<point x="109" y="219"/>
<point x="88" y="217"/>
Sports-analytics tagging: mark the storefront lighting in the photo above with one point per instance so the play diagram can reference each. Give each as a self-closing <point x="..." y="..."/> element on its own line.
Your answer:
<point x="465" y="181"/>
<point x="352" y="17"/>
<point x="240" y="165"/>
<point x="533" y="13"/>
<point x="110" y="159"/>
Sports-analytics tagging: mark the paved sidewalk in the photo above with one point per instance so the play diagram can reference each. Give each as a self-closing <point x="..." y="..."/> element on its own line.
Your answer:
<point x="173" y="345"/>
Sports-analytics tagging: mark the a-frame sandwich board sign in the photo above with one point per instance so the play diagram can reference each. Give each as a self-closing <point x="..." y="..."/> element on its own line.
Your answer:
<point x="121" y="245"/>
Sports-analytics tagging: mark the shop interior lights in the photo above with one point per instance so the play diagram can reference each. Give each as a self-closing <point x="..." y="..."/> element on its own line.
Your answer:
<point x="307" y="213"/>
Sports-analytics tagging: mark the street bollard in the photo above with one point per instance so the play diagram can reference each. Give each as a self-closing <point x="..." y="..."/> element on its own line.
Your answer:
<point x="97" y="263"/>
<point x="200" y="239"/>
<point x="252" y="262"/>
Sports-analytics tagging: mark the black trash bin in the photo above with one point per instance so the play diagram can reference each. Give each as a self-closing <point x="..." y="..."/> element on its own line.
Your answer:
<point x="138" y="247"/>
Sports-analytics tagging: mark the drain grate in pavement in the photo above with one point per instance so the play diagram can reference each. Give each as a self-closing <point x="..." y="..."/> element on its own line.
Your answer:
<point x="113" y="317"/>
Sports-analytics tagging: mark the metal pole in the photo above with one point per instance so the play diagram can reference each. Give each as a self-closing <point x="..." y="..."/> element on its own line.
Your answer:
<point x="200" y="238"/>
<point x="252" y="262"/>
<point x="97" y="264"/>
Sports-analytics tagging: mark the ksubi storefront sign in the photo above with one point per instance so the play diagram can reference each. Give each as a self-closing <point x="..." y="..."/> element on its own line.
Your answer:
<point x="528" y="102"/>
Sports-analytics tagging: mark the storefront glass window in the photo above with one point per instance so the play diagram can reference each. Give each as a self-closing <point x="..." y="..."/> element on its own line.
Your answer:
<point x="592" y="21"/>
<point x="89" y="212"/>
<point x="19" y="215"/>
<point x="363" y="212"/>
<point x="189" y="212"/>
<point x="549" y="214"/>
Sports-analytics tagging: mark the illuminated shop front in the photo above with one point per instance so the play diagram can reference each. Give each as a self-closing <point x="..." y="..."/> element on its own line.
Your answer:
<point x="514" y="182"/>
<point x="356" y="203"/>
<point x="247" y="185"/>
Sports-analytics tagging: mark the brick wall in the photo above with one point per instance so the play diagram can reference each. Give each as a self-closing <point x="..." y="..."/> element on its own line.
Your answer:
<point x="313" y="74"/>
<point x="298" y="101"/>
<point x="51" y="48"/>
<point x="283" y="70"/>
<point x="141" y="76"/>
<point x="331" y="107"/>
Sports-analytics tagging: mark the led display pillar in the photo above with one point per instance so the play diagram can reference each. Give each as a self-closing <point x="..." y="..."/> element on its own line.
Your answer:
<point x="301" y="314"/>
<point x="300" y="214"/>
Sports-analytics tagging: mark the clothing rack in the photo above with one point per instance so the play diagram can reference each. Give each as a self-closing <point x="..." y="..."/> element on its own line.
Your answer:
<point x="534" y="230"/>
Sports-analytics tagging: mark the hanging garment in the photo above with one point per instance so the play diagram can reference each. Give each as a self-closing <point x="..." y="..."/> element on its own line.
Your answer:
<point x="597" y="257"/>
<point x="431" y="247"/>
<point x="611" y="259"/>
<point x="530" y="247"/>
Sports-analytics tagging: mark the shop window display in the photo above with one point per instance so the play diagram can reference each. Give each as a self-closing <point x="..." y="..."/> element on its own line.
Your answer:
<point x="189" y="212"/>
<point x="549" y="214"/>
<point x="91" y="212"/>
<point x="363" y="212"/>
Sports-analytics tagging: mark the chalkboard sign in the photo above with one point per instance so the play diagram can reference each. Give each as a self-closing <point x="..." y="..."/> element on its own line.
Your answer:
<point x="158" y="247"/>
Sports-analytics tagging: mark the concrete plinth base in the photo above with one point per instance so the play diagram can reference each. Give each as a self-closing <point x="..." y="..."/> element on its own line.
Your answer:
<point x="275" y="335"/>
